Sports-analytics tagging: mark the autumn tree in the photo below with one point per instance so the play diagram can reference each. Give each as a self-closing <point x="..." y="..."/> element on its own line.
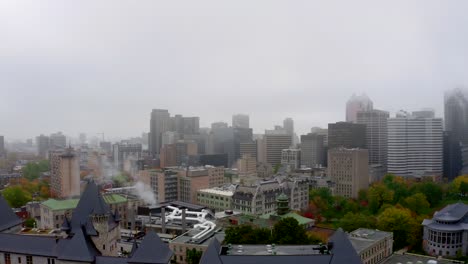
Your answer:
<point x="16" y="197"/>
<point x="405" y="228"/>
<point x="417" y="203"/>
<point x="33" y="170"/>
<point x="379" y="194"/>
<point x="287" y="231"/>
<point x="433" y="192"/>
<point x="352" y="221"/>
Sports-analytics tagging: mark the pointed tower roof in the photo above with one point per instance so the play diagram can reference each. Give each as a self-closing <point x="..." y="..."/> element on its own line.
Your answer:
<point x="342" y="245"/>
<point x="66" y="225"/>
<point x="8" y="218"/>
<point x="211" y="255"/>
<point x="91" y="202"/>
<point x="151" y="251"/>
<point x="78" y="248"/>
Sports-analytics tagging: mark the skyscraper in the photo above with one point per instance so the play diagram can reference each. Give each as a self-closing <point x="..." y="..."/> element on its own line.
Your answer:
<point x="58" y="140"/>
<point x="274" y="145"/>
<point x="159" y="124"/>
<point x="240" y="120"/>
<point x="64" y="173"/>
<point x="42" y="143"/>
<point x="356" y="104"/>
<point x="349" y="171"/>
<point x="2" y="146"/>
<point x="346" y="135"/>
<point x="288" y="125"/>
<point x="456" y="126"/>
<point x="376" y="134"/>
<point x="415" y="145"/>
<point x="313" y="150"/>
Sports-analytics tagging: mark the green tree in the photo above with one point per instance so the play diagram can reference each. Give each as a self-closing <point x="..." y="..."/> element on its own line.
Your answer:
<point x="433" y="192"/>
<point x="30" y="222"/>
<point x="15" y="196"/>
<point x="398" y="185"/>
<point x="379" y="194"/>
<point x="353" y="221"/>
<point x="417" y="203"/>
<point x="287" y="231"/>
<point x="246" y="234"/>
<point x="405" y="228"/>
<point x="33" y="170"/>
<point x="193" y="256"/>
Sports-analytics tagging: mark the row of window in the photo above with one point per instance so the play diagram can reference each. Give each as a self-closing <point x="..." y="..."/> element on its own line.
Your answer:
<point x="29" y="259"/>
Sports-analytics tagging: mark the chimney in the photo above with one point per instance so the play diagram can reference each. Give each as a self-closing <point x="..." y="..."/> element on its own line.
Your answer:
<point x="163" y="220"/>
<point x="184" y="223"/>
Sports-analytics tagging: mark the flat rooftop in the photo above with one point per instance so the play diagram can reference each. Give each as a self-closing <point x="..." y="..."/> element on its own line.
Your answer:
<point x="186" y="238"/>
<point x="363" y="238"/>
<point x="246" y="250"/>
<point x="218" y="191"/>
<point x="416" y="259"/>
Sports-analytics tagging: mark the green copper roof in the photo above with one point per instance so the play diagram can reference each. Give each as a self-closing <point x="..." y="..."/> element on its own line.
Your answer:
<point x="302" y="220"/>
<point x="57" y="205"/>
<point x="282" y="197"/>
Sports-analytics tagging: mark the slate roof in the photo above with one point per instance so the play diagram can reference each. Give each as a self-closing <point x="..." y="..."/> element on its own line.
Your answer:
<point x="151" y="251"/>
<point x="452" y="212"/>
<point x="31" y="245"/>
<point x="78" y="248"/>
<point x="8" y="218"/>
<point x="342" y="252"/>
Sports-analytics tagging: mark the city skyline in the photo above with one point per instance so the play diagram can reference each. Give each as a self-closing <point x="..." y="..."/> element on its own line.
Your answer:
<point x="96" y="69"/>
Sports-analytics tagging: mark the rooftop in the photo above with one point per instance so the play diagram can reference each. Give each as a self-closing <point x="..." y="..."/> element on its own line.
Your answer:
<point x="362" y="238"/>
<point x="302" y="220"/>
<point x="452" y="212"/>
<point x="416" y="259"/>
<point x="57" y="205"/>
<point x="218" y="191"/>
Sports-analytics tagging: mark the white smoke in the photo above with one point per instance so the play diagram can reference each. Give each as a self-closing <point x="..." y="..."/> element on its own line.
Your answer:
<point x="145" y="192"/>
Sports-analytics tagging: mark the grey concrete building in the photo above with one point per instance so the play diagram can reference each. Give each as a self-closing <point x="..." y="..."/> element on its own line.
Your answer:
<point x="348" y="169"/>
<point x="125" y="151"/>
<point x="159" y="123"/>
<point x="58" y="140"/>
<point x="373" y="246"/>
<point x="376" y="134"/>
<point x="43" y="146"/>
<point x="313" y="150"/>
<point x="240" y="120"/>
<point x="274" y="145"/>
<point x="346" y="135"/>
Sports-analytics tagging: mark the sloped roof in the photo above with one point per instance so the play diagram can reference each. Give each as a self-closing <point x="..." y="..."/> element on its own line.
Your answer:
<point x="8" y="218"/>
<point x="31" y="245"/>
<point x="78" y="248"/>
<point x="151" y="251"/>
<point x="211" y="255"/>
<point x="91" y="202"/>
<point x="343" y="251"/>
<point x="452" y="212"/>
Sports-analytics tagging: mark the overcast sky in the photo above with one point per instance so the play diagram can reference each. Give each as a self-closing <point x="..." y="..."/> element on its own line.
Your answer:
<point x="101" y="66"/>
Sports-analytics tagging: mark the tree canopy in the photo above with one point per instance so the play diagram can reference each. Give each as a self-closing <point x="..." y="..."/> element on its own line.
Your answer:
<point x="33" y="170"/>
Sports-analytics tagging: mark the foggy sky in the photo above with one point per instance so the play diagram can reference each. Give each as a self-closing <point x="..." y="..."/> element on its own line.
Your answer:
<point x="101" y="66"/>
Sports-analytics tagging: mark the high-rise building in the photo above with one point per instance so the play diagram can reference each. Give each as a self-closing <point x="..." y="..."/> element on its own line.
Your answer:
<point x="346" y="135"/>
<point x="291" y="157"/>
<point x="216" y="125"/>
<point x="348" y="170"/>
<point x="58" y="140"/>
<point x="185" y="149"/>
<point x="193" y="179"/>
<point x="82" y="138"/>
<point x="248" y="148"/>
<point x="288" y="125"/>
<point x="415" y="145"/>
<point x="456" y="124"/>
<point x="274" y="145"/>
<point x="376" y="134"/>
<point x="169" y="137"/>
<point x="64" y="173"/>
<point x="168" y="156"/>
<point x="247" y="164"/>
<point x="240" y="120"/>
<point x="313" y="152"/>
<point x="356" y="104"/>
<point x="323" y="132"/>
<point x="2" y="146"/>
<point x="159" y="124"/>
<point x="125" y="151"/>
<point x="42" y="143"/>
<point x="185" y="125"/>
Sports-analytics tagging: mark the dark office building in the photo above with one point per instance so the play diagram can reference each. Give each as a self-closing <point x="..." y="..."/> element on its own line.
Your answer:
<point x="346" y="135"/>
<point x="213" y="160"/>
<point x="159" y="123"/>
<point x="452" y="156"/>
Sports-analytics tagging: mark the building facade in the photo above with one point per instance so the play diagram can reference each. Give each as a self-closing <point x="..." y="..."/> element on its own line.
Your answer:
<point x="42" y="143"/>
<point x="274" y="145"/>
<point x="446" y="234"/>
<point x="376" y="134"/>
<point x="415" y="145"/>
<point x="159" y="123"/>
<point x="64" y="173"/>
<point x="346" y="135"/>
<point x="240" y="120"/>
<point x="356" y="104"/>
<point x="348" y="169"/>
<point x="313" y="152"/>
<point x="373" y="246"/>
<point x="291" y="158"/>
<point x="218" y="199"/>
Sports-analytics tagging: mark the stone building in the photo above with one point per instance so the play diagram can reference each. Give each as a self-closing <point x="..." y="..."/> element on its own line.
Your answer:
<point x="373" y="246"/>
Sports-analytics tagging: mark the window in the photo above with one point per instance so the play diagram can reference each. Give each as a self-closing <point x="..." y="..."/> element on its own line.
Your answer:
<point x="19" y="259"/>
<point x="7" y="258"/>
<point x="103" y="247"/>
<point x="29" y="260"/>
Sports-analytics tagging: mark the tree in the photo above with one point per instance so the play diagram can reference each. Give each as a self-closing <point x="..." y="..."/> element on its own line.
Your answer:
<point x="417" y="203"/>
<point x="460" y="185"/>
<point x="287" y="231"/>
<point x="398" y="185"/>
<point x="433" y="192"/>
<point x="33" y="170"/>
<point x="352" y="221"/>
<point x="379" y="194"/>
<point x="246" y="234"/>
<point x="405" y="228"/>
<point x="193" y="256"/>
<point x="16" y="197"/>
<point x="30" y="222"/>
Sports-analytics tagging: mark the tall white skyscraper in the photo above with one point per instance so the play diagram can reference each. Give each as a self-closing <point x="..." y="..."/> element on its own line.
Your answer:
<point x="415" y="144"/>
<point x="356" y="104"/>
<point x="376" y="134"/>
